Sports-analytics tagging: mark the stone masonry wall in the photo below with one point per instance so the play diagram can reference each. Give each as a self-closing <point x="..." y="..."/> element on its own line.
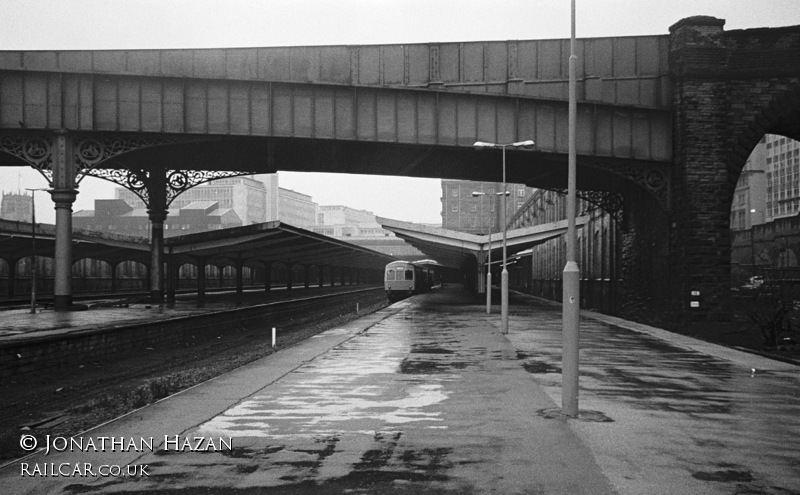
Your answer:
<point x="726" y="96"/>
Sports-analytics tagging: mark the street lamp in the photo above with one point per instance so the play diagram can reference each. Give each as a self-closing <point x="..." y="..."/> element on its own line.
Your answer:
<point x="489" y="261"/>
<point x="33" y="245"/>
<point x="479" y="145"/>
<point x="570" y="297"/>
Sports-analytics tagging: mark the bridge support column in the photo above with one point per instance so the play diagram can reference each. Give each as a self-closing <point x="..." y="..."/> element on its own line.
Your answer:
<point x="703" y="179"/>
<point x="306" y="276"/>
<point x="321" y="275"/>
<point x="63" y="194"/>
<point x="289" y="276"/>
<point x="157" y="214"/>
<point x="62" y="289"/>
<point x="157" y="218"/>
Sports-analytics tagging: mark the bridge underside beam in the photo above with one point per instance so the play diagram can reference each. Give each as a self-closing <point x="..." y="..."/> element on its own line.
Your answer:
<point x="268" y="155"/>
<point x="76" y="102"/>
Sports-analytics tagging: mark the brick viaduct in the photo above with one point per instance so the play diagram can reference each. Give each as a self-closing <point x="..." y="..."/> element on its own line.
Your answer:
<point x="729" y="89"/>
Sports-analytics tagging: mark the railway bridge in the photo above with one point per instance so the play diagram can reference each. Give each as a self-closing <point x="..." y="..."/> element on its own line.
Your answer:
<point x="665" y="124"/>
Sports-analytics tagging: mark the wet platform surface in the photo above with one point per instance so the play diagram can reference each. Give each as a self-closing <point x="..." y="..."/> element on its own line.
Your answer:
<point x="427" y="396"/>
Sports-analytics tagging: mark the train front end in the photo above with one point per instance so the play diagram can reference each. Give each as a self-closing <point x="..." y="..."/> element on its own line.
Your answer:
<point x="400" y="280"/>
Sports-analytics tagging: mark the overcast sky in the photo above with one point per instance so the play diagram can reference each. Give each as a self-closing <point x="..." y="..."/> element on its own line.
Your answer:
<point x="100" y="24"/>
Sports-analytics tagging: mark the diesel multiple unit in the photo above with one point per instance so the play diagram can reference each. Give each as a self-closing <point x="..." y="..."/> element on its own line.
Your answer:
<point x="405" y="278"/>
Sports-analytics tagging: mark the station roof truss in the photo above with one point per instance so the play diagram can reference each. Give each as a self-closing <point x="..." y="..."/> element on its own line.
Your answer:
<point x="272" y="242"/>
<point x="265" y="243"/>
<point x="458" y="250"/>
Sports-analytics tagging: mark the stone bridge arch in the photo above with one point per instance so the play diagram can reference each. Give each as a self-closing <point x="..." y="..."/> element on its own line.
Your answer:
<point x="729" y="89"/>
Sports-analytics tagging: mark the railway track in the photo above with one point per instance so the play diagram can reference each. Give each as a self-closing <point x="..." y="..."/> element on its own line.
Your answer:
<point x="80" y="338"/>
<point x="69" y="397"/>
<point x="45" y="301"/>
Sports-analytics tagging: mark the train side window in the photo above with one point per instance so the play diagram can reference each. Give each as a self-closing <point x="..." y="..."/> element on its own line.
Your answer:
<point x="409" y="274"/>
<point x="389" y="275"/>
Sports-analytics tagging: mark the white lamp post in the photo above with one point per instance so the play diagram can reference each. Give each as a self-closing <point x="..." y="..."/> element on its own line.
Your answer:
<point x="489" y="261"/>
<point x="504" y="274"/>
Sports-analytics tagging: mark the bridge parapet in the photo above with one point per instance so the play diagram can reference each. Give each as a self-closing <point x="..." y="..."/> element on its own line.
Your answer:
<point x="621" y="71"/>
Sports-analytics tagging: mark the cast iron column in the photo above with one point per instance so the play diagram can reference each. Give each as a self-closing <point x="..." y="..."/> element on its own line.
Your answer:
<point x="267" y="276"/>
<point x="113" y="269"/>
<point x="239" y="277"/>
<point x="157" y="217"/>
<point x="201" y="279"/>
<point x="157" y="213"/>
<point x="12" y="278"/>
<point x="172" y="278"/>
<point x="63" y="194"/>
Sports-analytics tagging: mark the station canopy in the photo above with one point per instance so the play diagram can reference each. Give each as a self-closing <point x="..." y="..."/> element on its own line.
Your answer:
<point x="265" y="242"/>
<point x="457" y="250"/>
<point x="273" y="242"/>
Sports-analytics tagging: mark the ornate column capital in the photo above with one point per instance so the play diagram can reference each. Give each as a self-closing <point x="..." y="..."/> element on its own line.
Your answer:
<point x="157" y="215"/>
<point x="63" y="196"/>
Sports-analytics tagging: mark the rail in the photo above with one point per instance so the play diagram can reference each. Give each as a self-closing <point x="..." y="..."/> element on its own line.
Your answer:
<point x="55" y="348"/>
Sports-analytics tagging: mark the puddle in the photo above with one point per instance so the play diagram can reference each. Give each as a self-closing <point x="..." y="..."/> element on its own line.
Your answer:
<point x="540" y="367"/>
<point x="429" y="349"/>
<point x="724" y="476"/>
<point x="585" y="416"/>
<point x="419" y="367"/>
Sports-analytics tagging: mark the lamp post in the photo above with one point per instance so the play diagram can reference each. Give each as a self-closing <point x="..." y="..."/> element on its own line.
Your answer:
<point x="33" y="246"/>
<point x="570" y="297"/>
<point x="479" y="145"/>
<point x="489" y="262"/>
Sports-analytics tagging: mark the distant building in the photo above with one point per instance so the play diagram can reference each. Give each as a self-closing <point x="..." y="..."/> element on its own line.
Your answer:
<point x="248" y="197"/>
<point x="783" y="177"/>
<point x="343" y="221"/>
<point x="16" y="207"/>
<point x="749" y="198"/>
<point x="296" y="209"/>
<point x="359" y="227"/>
<point x="391" y="245"/>
<point x="463" y="212"/>
<point x="117" y="216"/>
<point x="273" y="191"/>
<point x="769" y="184"/>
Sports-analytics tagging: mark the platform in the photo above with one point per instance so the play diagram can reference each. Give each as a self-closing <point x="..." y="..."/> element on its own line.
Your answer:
<point x="18" y="325"/>
<point x="426" y="396"/>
